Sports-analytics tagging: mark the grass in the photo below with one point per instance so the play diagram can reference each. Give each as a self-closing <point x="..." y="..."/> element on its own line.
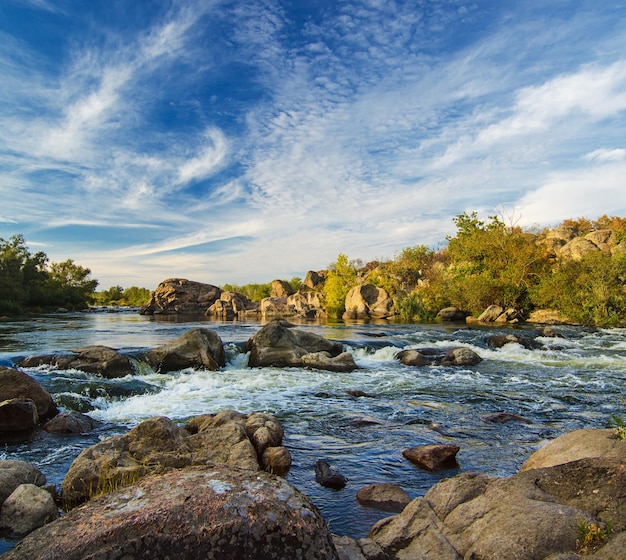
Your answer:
<point x="592" y="536"/>
<point x="619" y="427"/>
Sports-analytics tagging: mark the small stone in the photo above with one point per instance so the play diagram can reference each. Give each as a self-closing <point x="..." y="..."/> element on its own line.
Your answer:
<point x="434" y="456"/>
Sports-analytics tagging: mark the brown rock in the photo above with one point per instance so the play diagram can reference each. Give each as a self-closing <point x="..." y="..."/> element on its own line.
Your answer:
<point x="281" y="289"/>
<point x="71" y="423"/>
<point x="199" y="512"/>
<point x="368" y="302"/>
<point x="276" y="460"/>
<point x="26" y="509"/>
<point x="197" y="348"/>
<point x="580" y="444"/>
<point x="434" y="456"/>
<point x="18" y="417"/>
<point x="16" y="384"/>
<point x="178" y="295"/>
<point x="386" y="496"/>
<point x="452" y="315"/>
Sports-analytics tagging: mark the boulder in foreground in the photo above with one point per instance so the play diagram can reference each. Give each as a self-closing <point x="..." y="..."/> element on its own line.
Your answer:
<point x="198" y="512"/>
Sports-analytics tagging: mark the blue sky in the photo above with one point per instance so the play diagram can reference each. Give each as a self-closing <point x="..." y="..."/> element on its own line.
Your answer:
<point x="241" y="141"/>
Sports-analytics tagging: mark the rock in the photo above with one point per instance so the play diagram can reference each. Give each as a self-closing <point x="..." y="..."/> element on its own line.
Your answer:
<point x="100" y="360"/>
<point x="576" y="249"/>
<point x="328" y="476"/>
<point x="503" y="417"/>
<point x="281" y="289"/>
<point x="344" y="362"/>
<point x="71" y="423"/>
<point x="178" y="295"/>
<point x="278" y="344"/>
<point x="497" y="314"/>
<point x="361" y="549"/>
<point x="197" y="348"/>
<point x="308" y="304"/>
<point x="26" y="509"/>
<point x="461" y="356"/>
<point x="314" y="280"/>
<point x="563" y="233"/>
<point x="157" y="445"/>
<point x="452" y="315"/>
<point x="548" y="317"/>
<point x="357" y="394"/>
<point x="368" y="302"/>
<point x="13" y="473"/>
<point x="500" y="340"/>
<point x="604" y="239"/>
<point x="386" y="496"/>
<point x="231" y="305"/>
<point x="580" y="444"/>
<point x="18" y="419"/>
<point x="276" y="460"/>
<point x="198" y="512"/>
<point x="15" y="384"/>
<point x="491" y="314"/>
<point x="434" y="456"/>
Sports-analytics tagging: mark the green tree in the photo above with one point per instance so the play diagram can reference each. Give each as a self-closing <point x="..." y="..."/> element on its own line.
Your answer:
<point x="589" y="291"/>
<point x="491" y="263"/>
<point x="70" y="285"/>
<point x="342" y="276"/>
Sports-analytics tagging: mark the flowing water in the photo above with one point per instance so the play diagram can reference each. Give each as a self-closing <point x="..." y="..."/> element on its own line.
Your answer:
<point x="578" y="381"/>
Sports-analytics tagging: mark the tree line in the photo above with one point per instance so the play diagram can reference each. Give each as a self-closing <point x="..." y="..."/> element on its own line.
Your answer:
<point x="30" y="282"/>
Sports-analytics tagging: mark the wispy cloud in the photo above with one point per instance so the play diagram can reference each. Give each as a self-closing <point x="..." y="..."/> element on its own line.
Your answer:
<point x="244" y="141"/>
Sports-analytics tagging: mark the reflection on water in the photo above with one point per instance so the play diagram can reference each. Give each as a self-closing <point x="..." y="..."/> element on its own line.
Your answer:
<point x="577" y="382"/>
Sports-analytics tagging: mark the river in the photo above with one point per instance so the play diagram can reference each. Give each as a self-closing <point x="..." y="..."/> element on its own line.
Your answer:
<point x="577" y="381"/>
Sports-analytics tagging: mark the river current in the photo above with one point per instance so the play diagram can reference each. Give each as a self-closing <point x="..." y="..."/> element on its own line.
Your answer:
<point x="577" y="381"/>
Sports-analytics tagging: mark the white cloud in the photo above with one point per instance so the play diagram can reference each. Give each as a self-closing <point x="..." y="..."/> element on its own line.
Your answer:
<point x="211" y="158"/>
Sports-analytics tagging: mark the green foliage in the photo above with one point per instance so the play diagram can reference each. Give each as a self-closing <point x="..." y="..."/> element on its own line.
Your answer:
<point x="410" y="307"/>
<point x="27" y="281"/>
<point x="592" y="536"/>
<point x="118" y="296"/>
<point x="342" y="276"/>
<point x="295" y="283"/>
<point x="491" y="263"/>
<point x="589" y="291"/>
<point x="254" y="292"/>
<point x="619" y="427"/>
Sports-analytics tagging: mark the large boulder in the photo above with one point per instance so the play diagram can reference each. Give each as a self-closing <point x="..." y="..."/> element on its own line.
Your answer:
<point x="281" y="289"/>
<point x="279" y="344"/>
<point x="307" y="303"/>
<point x="15" y="384"/>
<point x="198" y="512"/>
<point x="533" y="515"/>
<point x="158" y="445"/>
<point x="368" y="302"/>
<point x="577" y="248"/>
<point x="576" y="445"/>
<point x="385" y="496"/>
<point x="452" y="315"/>
<point x="314" y="280"/>
<point x="197" y="348"/>
<point x="97" y="359"/>
<point x="71" y="422"/>
<point x="178" y="295"/>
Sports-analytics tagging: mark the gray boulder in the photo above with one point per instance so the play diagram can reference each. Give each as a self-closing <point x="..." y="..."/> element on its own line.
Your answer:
<point x="279" y="344"/>
<point x="198" y="512"/>
<point x="26" y="509"/>
<point x="100" y="360"/>
<point x="368" y="302"/>
<point x="13" y="473"/>
<point x="197" y="348"/>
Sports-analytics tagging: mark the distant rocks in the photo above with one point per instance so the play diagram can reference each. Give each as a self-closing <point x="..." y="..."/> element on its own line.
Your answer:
<point x="178" y="295"/>
<point x="368" y="302"/>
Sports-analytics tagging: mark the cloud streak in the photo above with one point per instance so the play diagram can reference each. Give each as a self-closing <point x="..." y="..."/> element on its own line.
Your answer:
<point x="242" y="143"/>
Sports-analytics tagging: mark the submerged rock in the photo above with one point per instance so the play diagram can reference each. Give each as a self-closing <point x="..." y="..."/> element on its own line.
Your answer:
<point x="434" y="456"/>
<point x="386" y="496"/>
<point x="328" y="476"/>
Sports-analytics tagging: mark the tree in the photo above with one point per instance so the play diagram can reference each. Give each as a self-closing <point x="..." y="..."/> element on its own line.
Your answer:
<point x="70" y="285"/>
<point x="342" y="276"/>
